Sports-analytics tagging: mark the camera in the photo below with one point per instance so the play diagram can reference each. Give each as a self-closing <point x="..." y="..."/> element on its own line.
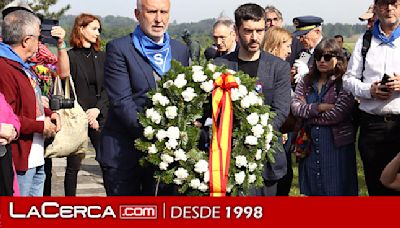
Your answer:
<point x="58" y="102"/>
<point x="385" y="79"/>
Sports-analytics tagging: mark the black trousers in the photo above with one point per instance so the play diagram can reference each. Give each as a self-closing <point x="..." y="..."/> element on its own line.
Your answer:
<point x="285" y="183"/>
<point x="137" y="181"/>
<point x="71" y="171"/>
<point x="379" y="143"/>
<point x="6" y="173"/>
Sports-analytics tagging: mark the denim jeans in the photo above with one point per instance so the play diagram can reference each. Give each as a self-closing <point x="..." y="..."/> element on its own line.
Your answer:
<point x="31" y="182"/>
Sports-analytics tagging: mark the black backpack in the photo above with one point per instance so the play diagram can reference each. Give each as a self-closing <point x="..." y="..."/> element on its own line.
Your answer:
<point x="356" y="114"/>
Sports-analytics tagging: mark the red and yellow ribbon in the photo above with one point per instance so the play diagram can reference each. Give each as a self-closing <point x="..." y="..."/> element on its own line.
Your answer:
<point x="220" y="150"/>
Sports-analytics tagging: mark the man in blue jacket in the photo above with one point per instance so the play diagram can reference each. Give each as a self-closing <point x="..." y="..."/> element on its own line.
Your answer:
<point x="273" y="80"/>
<point x="133" y="65"/>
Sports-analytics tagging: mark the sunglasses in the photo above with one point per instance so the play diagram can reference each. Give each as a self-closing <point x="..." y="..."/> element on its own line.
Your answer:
<point x="327" y="57"/>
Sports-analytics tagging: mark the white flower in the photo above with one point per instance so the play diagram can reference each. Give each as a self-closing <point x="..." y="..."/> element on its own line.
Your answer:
<point x="252" y="166"/>
<point x="180" y="81"/>
<point x="148" y="132"/>
<point x="211" y="67"/>
<point x="246" y="102"/>
<point x="149" y="112"/>
<point x="201" y="166"/>
<point x="161" y="134"/>
<point x="188" y="94"/>
<point x="235" y="95"/>
<point x="238" y="81"/>
<point x="264" y="119"/>
<point x="260" y="101"/>
<point x="168" y="84"/>
<point x="207" y="86"/>
<point x="270" y="134"/>
<point x="241" y="161"/>
<point x="253" y="98"/>
<point x="252" y="179"/>
<point x="252" y="119"/>
<point x="203" y="187"/>
<point x="153" y="115"/>
<point x="167" y="159"/>
<point x="158" y="98"/>
<point x="207" y="177"/>
<point x="243" y="90"/>
<point x="231" y="71"/>
<point x="239" y="177"/>
<point x="251" y="140"/>
<point x="173" y="132"/>
<point x="181" y="173"/>
<point x="178" y="181"/>
<point x="229" y="188"/>
<point x="258" y="155"/>
<point x="163" y="165"/>
<point x="258" y="130"/>
<point x="217" y="75"/>
<point x="180" y="155"/>
<point x="199" y="76"/>
<point x="195" y="183"/>
<point x="171" y="112"/>
<point x="268" y="146"/>
<point x="171" y="144"/>
<point x="152" y="149"/>
<point x="197" y="68"/>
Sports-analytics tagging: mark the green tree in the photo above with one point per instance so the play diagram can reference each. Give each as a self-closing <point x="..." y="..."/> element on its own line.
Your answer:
<point x="42" y="7"/>
<point x="4" y="3"/>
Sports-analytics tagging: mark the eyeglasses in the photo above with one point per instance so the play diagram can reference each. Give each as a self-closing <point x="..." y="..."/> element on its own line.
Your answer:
<point x="327" y="57"/>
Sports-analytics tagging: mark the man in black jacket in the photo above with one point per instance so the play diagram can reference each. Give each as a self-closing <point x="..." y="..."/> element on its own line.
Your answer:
<point x="273" y="77"/>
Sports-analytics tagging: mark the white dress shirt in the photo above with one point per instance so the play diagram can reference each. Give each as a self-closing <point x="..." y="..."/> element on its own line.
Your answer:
<point x="381" y="58"/>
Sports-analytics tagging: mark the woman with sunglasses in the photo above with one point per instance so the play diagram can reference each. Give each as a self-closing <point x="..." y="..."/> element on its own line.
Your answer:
<point x="328" y="165"/>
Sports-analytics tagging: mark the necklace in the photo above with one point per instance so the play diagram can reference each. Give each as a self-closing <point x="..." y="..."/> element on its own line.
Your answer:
<point x="88" y="55"/>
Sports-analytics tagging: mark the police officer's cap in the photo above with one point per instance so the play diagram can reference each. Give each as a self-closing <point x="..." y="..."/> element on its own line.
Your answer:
<point x="305" y="24"/>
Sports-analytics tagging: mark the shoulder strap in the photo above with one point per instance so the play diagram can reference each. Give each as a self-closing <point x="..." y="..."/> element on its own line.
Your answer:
<point x="367" y="37"/>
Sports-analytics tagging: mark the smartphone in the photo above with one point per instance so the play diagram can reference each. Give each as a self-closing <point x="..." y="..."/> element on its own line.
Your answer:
<point x="385" y="79"/>
<point x="46" y="27"/>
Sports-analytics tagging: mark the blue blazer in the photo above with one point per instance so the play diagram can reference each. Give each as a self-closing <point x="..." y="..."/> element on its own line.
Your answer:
<point x="128" y="76"/>
<point x="274" y="76"/>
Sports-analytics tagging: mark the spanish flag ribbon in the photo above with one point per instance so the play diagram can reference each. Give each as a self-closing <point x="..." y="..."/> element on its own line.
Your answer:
<point x="220" y="150"/>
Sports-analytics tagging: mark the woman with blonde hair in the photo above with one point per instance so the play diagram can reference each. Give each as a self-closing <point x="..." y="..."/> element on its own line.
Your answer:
<point x="278" y="42"/>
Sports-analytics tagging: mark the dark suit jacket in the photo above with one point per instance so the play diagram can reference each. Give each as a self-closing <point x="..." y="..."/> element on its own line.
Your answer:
<point x="274" y="76"/>
<point x="128" y="77"/>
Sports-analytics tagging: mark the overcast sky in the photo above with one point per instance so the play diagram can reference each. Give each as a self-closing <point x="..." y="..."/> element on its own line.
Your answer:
<point x="343" y="11"/>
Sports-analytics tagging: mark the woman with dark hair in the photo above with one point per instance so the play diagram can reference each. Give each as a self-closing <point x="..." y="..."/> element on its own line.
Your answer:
<point x="328" y="161"/>
<point x="86" y="66"/>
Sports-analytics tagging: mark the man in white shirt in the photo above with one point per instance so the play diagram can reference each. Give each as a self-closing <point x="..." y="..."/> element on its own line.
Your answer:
<point x="380" y="104"/>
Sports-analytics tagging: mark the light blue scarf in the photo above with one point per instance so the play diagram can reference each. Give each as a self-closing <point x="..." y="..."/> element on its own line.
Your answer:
<point x="7" y="52"/>
<point x="159" y="55"/>
<point x="384" y="39"/>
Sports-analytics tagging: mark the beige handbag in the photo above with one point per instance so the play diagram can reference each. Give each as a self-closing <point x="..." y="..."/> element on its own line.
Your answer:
<point x="73" y="136"/>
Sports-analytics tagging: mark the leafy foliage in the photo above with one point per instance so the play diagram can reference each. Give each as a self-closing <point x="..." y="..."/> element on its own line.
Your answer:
<point x="43" y="7"/>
